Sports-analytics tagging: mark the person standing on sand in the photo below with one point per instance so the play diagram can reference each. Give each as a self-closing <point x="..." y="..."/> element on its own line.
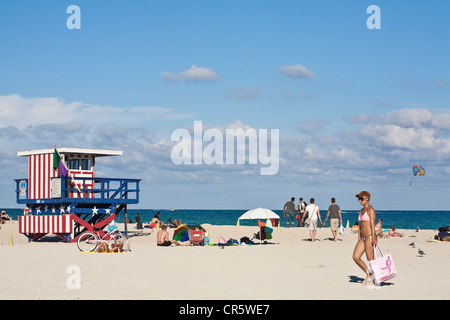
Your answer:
<point x="138" y="221"/>
<point x="301" y="210"/>
<point x="314" y="214"/>
<point x="366" y="236"/>
<point x="288" y="212"/>
<point x="335" y="217"/>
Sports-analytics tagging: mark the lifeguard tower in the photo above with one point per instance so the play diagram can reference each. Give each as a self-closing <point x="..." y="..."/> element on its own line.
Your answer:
<point x="63" y="196"/>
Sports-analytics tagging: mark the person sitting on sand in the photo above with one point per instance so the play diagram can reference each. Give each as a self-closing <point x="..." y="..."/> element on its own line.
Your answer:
<point x="379" y="228"/>
<point x="162" y="239"/>
<point x="155" y="221"/>
<point x="174" y="223"/>
<point x="355" y="228"/>
<point x="393" y="233"/>
<point x="443" y="235"/>
<point x="4" y="216"/>
<point x="203" y="231"/>
<point x="103" y="247"/>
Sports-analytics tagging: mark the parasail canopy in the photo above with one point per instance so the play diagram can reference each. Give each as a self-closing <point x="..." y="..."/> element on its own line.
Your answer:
<point x="418" y="170"/>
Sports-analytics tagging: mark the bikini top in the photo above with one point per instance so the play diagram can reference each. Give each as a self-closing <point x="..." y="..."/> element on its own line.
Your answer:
<point x="365" y="217"/>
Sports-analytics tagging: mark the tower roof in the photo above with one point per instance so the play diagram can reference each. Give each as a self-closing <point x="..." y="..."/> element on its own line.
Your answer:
<point x="95" y="152"/>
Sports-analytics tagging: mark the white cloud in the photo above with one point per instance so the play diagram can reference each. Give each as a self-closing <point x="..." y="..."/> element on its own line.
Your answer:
<point x="296" y="71"/>
<point x="409" y="117"/>
<point x="21" y="112"/>
<point x="193" y="73"/>
<point x="398" y="137"/>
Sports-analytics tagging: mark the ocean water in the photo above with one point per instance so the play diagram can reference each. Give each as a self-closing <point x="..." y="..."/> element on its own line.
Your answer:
<point x="401" y="219"/>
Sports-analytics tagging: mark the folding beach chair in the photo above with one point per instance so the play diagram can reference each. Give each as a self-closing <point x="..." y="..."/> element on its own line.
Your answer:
<point x="261" y="235"/>
<point x="265" y="231"/>
<point x="196" y="237"/>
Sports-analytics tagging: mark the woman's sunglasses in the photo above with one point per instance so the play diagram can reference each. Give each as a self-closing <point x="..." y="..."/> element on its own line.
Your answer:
<point x="361" y="199"/>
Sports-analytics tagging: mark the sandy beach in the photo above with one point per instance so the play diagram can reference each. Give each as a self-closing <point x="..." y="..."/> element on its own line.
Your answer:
<point x="289" y="267"/>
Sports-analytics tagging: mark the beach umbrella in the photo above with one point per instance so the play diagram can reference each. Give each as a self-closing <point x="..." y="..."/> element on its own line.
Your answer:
<point x="181" y="231"/>
<point x="259" y="213"/>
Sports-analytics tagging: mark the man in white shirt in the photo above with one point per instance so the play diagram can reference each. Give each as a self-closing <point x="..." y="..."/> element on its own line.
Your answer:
<point x="314" y="215"/>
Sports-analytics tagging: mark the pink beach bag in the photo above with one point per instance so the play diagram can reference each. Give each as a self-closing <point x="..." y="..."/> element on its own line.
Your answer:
<point x="383" y="267"/>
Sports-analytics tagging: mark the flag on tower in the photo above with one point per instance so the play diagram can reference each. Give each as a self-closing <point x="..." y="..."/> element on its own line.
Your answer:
<point x="58" y="163"/>
<point x="63" y="171"/>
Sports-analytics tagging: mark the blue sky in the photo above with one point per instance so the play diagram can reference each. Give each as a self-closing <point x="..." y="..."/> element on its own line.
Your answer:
<point x="356" y="108"/>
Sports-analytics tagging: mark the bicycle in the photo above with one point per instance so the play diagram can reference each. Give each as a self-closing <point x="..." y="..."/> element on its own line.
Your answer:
<point x="89" y="241"/>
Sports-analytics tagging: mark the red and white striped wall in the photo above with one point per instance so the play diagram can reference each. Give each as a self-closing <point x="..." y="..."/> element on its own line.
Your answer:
<point x="45" y="224"/>
<point x="40" y="172"/>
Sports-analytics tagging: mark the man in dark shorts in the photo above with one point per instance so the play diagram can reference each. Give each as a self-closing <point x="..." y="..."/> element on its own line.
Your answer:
<point x="335" y="217"/>
<point x="162" y="239"/>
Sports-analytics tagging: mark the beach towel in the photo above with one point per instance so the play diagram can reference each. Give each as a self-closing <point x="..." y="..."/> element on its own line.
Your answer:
<point x="100" y="252"/>
<point x="434" y="240"/>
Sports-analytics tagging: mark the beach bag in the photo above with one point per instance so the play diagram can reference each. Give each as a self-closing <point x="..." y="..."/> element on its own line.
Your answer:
<point x="341" y="229"/>
<point x="222" y="243"/>
<point x="383" y="267"/>
<point x="244" y="240"/>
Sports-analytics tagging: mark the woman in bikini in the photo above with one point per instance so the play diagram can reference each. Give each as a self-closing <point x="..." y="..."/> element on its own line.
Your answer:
<point x="366" y="236"/>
